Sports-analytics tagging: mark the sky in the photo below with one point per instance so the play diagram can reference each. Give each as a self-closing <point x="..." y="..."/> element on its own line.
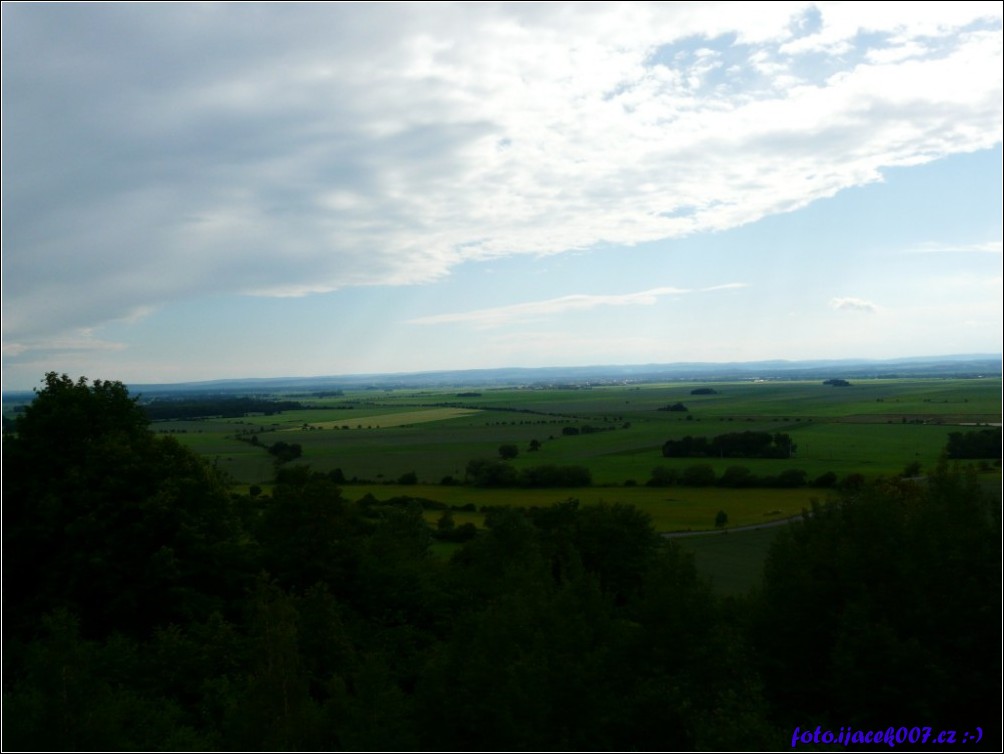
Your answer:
<point x="209" y="191"/>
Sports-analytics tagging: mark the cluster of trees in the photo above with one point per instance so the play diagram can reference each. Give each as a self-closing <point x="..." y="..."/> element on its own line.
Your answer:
<point x="982" y="443"/>
<point x="491" y="473"/>
<point x="732" y="445"/>
<point x="147" y="608"/>
<point x="227" y="407"/>
<point x="285" y="452"/>
<point x="674" y="407"/>
<point x="585" y="429"/>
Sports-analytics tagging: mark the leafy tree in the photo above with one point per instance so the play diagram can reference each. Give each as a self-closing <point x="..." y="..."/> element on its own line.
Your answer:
<point x="285" y="452"/>
<point x="126" y="529"/>
<point x="827" y="479"/>
<point x="662" y="477"/>
<point x="488" y="473"/>
<point x="446" y="522"/>
<point x="678" y="407"/>
<point x="698" y="475"/>
<point x="983" y="443"/>
<point x="737" y="476"/>
<point x="791" y="478"/>
<point x="309" y="534"/>
<point x="881" y="605"/>
<point x="508" y="451"/>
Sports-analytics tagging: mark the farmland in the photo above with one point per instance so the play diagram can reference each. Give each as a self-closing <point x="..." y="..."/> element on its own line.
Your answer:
<point x="374" y="437"/>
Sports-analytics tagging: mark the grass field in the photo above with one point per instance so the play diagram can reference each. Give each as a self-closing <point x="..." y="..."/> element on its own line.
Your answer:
<point x="875" y="427"/>
<point x="732" y="561"/>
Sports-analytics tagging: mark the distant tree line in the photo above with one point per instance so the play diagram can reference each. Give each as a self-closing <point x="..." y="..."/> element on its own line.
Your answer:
<point x="737" y="477"/>
<point x="732" y="445"/>
<point x="585" y="429"/>
<point x="491" y="473"/>
<point x="164" y="408"/>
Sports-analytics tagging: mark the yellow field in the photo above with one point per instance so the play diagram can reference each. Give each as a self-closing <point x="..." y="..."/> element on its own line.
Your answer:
<point x="402" y="419"/>
<point x="671" y="509"/>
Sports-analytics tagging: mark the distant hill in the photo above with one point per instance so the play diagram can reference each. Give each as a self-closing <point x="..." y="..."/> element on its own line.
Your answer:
<point x="980" y="365"/>
<point x="969" y="365"/>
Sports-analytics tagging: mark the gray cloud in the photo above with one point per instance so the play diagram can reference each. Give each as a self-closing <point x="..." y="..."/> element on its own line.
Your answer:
<point x="849" y="304"/>
<point x="156" y="154"/>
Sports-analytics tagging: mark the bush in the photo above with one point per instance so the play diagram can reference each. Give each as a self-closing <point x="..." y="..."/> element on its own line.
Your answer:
<point x="737" y="477"/>
<point x="791" y="478"/>
<point x="827" y="480"/>
<point x="699" y="475"/>
<point x="662" y="477"/>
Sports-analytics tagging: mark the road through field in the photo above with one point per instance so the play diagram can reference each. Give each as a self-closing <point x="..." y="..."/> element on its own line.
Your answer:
<point x="750" y="527"/>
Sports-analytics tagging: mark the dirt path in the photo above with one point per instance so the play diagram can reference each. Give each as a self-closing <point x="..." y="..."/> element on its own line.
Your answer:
<point x="750" y="527"/>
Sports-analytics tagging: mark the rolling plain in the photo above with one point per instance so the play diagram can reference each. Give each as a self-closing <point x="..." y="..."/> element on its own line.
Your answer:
<point x="378" y="437"/>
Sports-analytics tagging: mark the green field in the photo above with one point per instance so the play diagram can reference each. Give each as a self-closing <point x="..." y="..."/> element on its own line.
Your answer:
<point x="731" y="561"/>
<point x="874" y="427"/>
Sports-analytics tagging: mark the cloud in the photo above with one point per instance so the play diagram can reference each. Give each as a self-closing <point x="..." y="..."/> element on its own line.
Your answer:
<point x="849" y="304"/>
<point x="988" y="247"/>
<point x="533" y="310"/>
<point x="61" y="345"/>
<point x="161" y="155"/>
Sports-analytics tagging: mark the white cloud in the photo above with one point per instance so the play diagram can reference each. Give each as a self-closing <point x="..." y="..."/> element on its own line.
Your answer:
<point x="532" y="310"/>
<point x="57" y="345"/>
<point x="850" y="304"/>
<point x="988" y="247"/>
<point x="168" y="154"/>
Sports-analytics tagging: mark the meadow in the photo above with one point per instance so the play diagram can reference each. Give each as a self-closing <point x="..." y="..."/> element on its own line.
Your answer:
<point x="874" y="427"/>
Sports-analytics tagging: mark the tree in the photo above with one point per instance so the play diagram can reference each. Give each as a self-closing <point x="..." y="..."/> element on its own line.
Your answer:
<point x="982" y="443"/>
<point x="661" y="477"/>
<point x="125" y="528"/>
<point x="678" y="406"/>
<point x="67" y="418"/>
<point x="737" y="476"/>
<point x="698" y="475"/>
<point x="882" y="605"/>
<point x="508" y="451"/>
<point x="446" y="522"/>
